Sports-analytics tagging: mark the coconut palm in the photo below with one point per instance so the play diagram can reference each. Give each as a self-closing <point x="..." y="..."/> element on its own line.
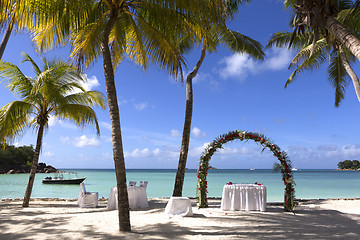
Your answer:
<point x="320" y="17"/>
<point x="7" y="18"/>
<point x="114" y="29"/>
<point x="55" y="91"/>
<point x="211" y="37"/>
<point x="13" y="17"/>
<point x="311" y="55"/>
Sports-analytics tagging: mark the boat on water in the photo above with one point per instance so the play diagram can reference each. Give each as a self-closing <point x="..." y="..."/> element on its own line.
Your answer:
<point x="252" y="169"/>
<point x="294" y="169"/>
<point x="59" y="179"/>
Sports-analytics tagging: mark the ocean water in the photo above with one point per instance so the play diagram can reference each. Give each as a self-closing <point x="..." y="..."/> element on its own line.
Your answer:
<point x="310" y="184"/>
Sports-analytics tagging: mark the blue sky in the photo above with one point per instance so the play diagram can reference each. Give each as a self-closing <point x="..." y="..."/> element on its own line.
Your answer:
<point x="231" y="92"/>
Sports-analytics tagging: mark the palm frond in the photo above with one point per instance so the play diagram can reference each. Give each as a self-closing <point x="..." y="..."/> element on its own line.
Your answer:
<point x="238" y="42"/>
<point x="14" y="118"/>
<point x="309" y="61"/>
<point x="162" y="52"/>
<point x="17" y="82"/>
<point x="307" y="52"/>
<point x="89" y="98"/>
<point x="82" y="115"/>
<point x="338" y="77"/>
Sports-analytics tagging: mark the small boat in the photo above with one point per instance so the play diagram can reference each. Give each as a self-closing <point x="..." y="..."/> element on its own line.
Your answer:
<point x="59" y="179"/>
<point x="294" y="169"/>
<point x="252" y="169"/>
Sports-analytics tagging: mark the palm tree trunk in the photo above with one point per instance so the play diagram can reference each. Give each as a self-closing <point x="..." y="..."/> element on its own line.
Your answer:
<point x="119" y="161"/>
<point x="5" y="39"/>
<point x="180" y="174"/>
<point x="351" y="72"/>
<point x="34" y="166"/>
<point x="344" y="36"/>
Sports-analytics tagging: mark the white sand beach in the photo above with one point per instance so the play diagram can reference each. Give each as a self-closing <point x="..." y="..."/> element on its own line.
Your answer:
<point x="63" y="219"/>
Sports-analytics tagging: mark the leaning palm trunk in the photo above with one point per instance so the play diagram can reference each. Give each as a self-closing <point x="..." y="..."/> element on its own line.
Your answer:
<point x="34" y="166"/>
<point x="180" y="174"/>
<point x="5" y="39"/>
<point x="343" y="35"/>
<point x="351" y="72"/>
<point x="119" y="161"/>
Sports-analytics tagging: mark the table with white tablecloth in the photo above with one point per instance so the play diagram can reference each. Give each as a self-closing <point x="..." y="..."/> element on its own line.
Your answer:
<point x="248" y="197"/>
<point x="136" y="194"/>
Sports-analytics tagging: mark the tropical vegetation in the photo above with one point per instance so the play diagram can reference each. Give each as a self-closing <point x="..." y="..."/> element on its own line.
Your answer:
<point x="55" y="91"/>
<point x="138" y="30"/>
<point x="211" y="36"/>
<point x="320" y="46"/>
<point x="11" y="156"/>
<point x="143" y="31"/>
<point x="348" y="164"/>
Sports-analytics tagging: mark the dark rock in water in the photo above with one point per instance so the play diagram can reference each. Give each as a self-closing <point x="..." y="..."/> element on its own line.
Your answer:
<point x="42" y="168"/>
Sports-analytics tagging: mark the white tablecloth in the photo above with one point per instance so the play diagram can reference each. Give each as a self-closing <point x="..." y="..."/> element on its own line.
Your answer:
<point x="178" y="206"/>
<point x="136" y="194"/>
<point x="248" y="197"/>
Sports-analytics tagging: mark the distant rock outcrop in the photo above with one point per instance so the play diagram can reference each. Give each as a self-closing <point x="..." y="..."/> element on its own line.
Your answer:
<point x="42" y="168"/>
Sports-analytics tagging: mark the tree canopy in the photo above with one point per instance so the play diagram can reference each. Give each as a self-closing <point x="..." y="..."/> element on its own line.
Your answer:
<point x="348" y="164"/>
<point x="11" y="157"/>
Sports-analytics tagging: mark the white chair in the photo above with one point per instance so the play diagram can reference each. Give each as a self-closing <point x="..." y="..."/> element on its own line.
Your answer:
<point x="143" y="184"/>
<point x="143" y="196"/>
<point x="132" y="183"/>
<point x="87" y="199"/>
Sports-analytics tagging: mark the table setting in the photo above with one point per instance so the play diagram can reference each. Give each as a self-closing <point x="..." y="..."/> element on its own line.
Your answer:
<point x="136" y="194"/>
<point x="243" y="197"/>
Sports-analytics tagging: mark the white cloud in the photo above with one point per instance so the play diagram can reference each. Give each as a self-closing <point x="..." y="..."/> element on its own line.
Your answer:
<point x="280" y="58"/>
<point x="85" y="141"/>
<point x="196" y="132"/>
<point x="240" y="65"/>
<point x="87" y="85"/>
<point x="158" y="153"/>
<point x="141" y="106"/>
<point x="237" y="65"/>
<point x="197" y="151"/>
<point x="91" y="82"/>
<point x="54" y="121"/>
<point x="82" y="141"/>
<point x="175" y="133"/>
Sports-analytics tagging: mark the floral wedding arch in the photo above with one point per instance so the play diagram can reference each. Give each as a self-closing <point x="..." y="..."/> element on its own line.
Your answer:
<point x="285" y="165"/>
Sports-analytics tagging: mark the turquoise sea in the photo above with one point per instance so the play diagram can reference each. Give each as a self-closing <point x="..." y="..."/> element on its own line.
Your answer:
<point x="310" y="183"/>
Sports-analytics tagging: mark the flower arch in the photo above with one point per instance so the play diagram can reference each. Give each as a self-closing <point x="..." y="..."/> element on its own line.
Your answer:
<point x="285" y="165"/>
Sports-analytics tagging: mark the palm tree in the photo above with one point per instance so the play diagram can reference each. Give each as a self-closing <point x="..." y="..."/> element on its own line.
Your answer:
<point x="7" y="23"/>
<point x="212" y="36"/>
<point x="311" y="56"/>
<point x="50" y="93"/>
<point x="114" y="29"/>
<point x="319" y="16"/>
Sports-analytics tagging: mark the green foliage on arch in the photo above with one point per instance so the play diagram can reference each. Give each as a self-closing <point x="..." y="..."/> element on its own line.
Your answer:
<point x="285" y="165"/>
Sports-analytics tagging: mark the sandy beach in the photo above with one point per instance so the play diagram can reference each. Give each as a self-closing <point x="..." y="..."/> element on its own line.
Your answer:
<point x="63" y="219"/>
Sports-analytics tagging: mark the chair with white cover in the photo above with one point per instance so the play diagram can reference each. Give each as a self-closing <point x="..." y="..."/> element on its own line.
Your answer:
<point x="132" y="183"/>
<point x="87" y="199"/>
<point x="178" y="207"/>
<point x="143" y="196"/>
<point x="143" y="184"/>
